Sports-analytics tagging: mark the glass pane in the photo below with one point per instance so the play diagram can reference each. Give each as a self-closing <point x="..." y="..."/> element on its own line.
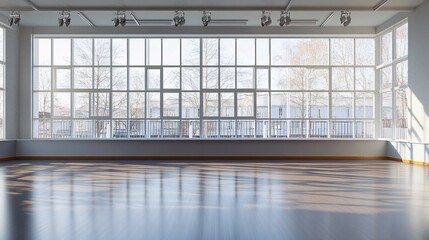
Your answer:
<point x="63" y="80"/>
<point x="119" y="104"/>
<point x="101" y="51"/>
<point x="227" y="51"/>
<point x="42" y="128"/>
<point x="343" y="78"/>
<point x="153" y="78"/>
<point x="41" y="78"/>
<point x="386" y="48"/>
<point x="298" y="129"/>
<point x="171" y="105"/>
<point x="319" y="105"/>
<point x="245" y="78"/>
<point x="171" y="128"/>
<point x="82" y="78"/>
<point x="62" y="51"/>
<point x="82" y="51"/>
<point x="102" y="128"/>
<point x="101" y="78"/>
<point x="365" y="52"/>
<point x="62" y="105"/>
<point x="279" y="79"/>
<point x="227" y="78"/>
<point x="190" y="51"/>
<point x="42" y="102"/>
<point x="365" y="129"/>
<point x="2" y="47"/>
<point x="318" y="129"/>
<point x="262" y="81"/>
<point x="120" y="129"/>
<point x="386" y="78"/>
<point x="137" y="104"/>
<point x="210" y="78"/>
<point x="2" y="75"/>
<point x="227" y="105"/>
<point x="245" y="105"/>
<point x="297" y="78"/>
<point x="386" y="115"/>
<point x="119" y="78"/>
<point x="317" y="79"/>
<point x="42" y="51"/>
<point x="171" y="51"/>
<point x="154" y="48"/>
<point x="245" y="128"/>
<point x="342" y="51"/>
<point x="342" y="105"/>
<point x="171" y="78"/>
<point x="81" y="105"/>
<point x="262" y="104"/>
<point x="137" y="129"/>
<point x="364" y="105"/>
<point x="137" y="78"/>
<point x="84" y="129"/>
<point x="299" y="51"/>
<point x="211" y="128"/>
<point x="190" y="78"/>
<point x="100" y="104"/>
<point x="153" y="105"/>
<point x="245" y="52"/>
<point x="401" y="113"/>
<point x="401" y="74"/>
<point x="263" y="51"/>
<point x="210" y="104"/>
<point x="298" y="105"/>
<point x="365" y="79"/>
<point x="402" y="41"/>
<point x="279" y="104"/>
<point x="342" y="129"/>
<point x="190" y="104"/>
<point x="61" y="129"/>
<point x="119" y="51"/>
<point x="137" y="51"/>
<point x="210" y="51"/>
<point x="190" y="128"/>
<point x="279" y="129"/>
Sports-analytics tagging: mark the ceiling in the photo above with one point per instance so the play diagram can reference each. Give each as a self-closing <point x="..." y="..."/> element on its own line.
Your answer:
<point x="100" y="12"/>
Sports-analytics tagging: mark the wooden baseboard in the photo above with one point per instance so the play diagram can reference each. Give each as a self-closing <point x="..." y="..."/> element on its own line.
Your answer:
<point x="415" y="162"/>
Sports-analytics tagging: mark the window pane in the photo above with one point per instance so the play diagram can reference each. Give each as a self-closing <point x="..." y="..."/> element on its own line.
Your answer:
<point x="364" y="105"/>
<point x="190" y="51"/>
<point x="62" y="51"/>
<point x="386" y="48"/>
<point x="210" y="104"/>
<point x="342" y="105"/>
<point x="154" y="48"/>
<point x="401" y="113"/>
<point x="402" y="74"/>
<point x="227" y="105"/>
<point x="317" y="79"/>
<point x="262" y="79"/>
<point x="137" y="78"/>
<point x="210" y="51"/>
<point x="342" y="51"/>
<point x="262" y="104"/>
<point x="365" y="79"/>
<point x="100" y="104"/>
<point x="299" y="51"/>
<point x="245" y="52"/>
<point x="245" y="105"/>
<point x="171" y="51"/>
<point x="343" y="78"/>
<point x="190" y="78"/>
<point x="153" y="105"/>
<point x="82" y="78"/>
<point x="119" y="51"/>
<point x="2" y="44"/>
<point x="81" y="105"/>
<point x="119" y="78"/>
<point x="42" y="102"/>
<point x="171" y="105"/>
<point x="319" y="105"/>
<point x="171" y="78"/>
<point x="2" y="75"/>
<point x="279" y="104"/>
<point x="190" y="104"/>
<point x="297" y="78"/>
<point x="386" y="115"/>
<point x="101" y="51"/>
<point x="42" y="51"/>
<point x="101" y="78"/>
<point x="279" y="79"/>
<point x="227" y="78"/>
<point x="210" y="78"/>
<point x="263" y="51"/>
<point x="153" y="78"/>
<point x="365" y="52"/>
<point x="227" y="51"/>
<point x="119" y="104"/>
<point x="137" y="104"/>
<point x="298" y="105"/>
<point x="62" y="79"/>
<point x="82" y="51"/>
<point x="137" y="51"/>
<point x="386" y="78"/>
<point x="62" y="105"/>
<point x="402" y="41"/>
<point x="41" y="78"/>
<point x="245" y="78"/>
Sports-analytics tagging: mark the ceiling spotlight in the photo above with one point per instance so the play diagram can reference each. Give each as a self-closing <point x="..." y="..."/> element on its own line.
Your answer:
<point x="285" y="19"/>
<point x="119" y="19"/>
<point x="265" y="19"/>
<point x="179" y="18"/>
<point x="14" y="18"/>
<point x="64" y="18"/>
<point x="346" y="18"/>
<point x="207" y="17"/>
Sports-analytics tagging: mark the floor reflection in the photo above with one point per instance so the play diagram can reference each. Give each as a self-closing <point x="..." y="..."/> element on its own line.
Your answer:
<point x="213" y="200"/>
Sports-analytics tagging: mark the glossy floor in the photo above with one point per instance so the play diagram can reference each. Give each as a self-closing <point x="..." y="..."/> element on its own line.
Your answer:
<point x="213" y="200"/>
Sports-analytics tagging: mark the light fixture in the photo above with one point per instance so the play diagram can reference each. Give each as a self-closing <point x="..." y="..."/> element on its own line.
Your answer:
<point x="14" y="18"/>
<point x="179" y="18"/>
<point x="64" y="18"/>
<point x="346" y="18"/>
<point x="207" y="17"/>
<point x="285" y="19"/>
<point x="265" y="19"/>
<point x="119" y="19"/>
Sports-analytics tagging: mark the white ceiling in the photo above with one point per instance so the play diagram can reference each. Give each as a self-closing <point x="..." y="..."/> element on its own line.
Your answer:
<point x="100" y="12"/>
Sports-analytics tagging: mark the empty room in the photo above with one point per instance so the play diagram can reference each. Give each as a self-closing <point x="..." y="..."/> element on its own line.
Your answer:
<point x="227" y="119"/>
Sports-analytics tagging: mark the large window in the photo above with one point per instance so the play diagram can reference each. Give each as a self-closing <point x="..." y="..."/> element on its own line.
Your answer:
<point x="2" y="81"/>
<point x="394" y="90"/>
<point x="132" y="87"/>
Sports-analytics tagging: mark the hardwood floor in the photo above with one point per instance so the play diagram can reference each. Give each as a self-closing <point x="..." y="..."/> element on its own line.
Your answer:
<point x="270" y="200"/>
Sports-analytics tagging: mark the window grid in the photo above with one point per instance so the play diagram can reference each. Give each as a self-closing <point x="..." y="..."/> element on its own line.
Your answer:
<point x="206" y="125"/>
